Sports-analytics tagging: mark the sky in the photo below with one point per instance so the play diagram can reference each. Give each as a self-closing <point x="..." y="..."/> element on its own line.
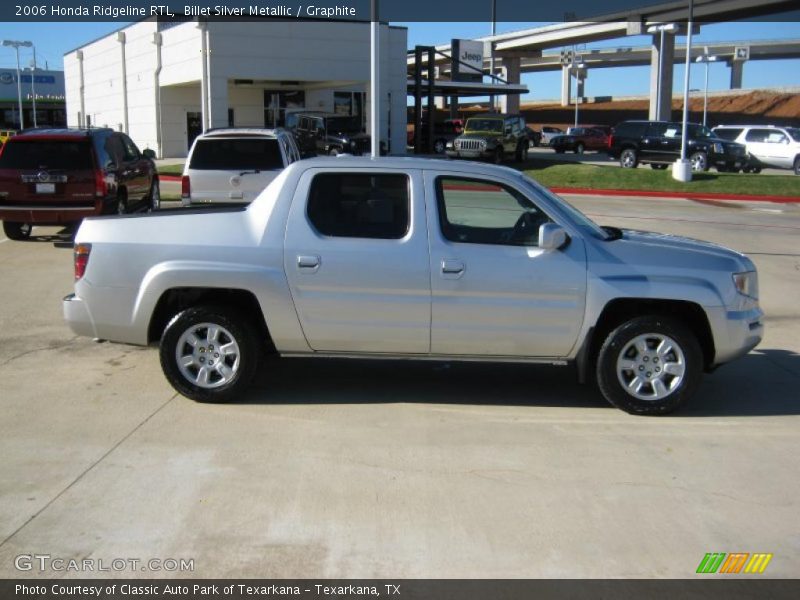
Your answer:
<point x="52" y="40"/>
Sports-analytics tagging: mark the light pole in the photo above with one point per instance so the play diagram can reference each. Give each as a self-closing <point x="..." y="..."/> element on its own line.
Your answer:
<point x="33" y="86"/>
<point x="491" y="52"/>
<point x="16" y="45"/>
<point x="661" y="29"/>
<point x="576" y="67"/>
<point x="705" y="58"/>
<point x="682" y="169"/>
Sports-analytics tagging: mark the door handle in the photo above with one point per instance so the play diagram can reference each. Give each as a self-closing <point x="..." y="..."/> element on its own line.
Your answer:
<point x="308" y="261"/>
<point x="452" y="267"/>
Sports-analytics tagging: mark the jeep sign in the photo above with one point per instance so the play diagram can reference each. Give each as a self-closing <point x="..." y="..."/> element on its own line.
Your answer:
<point x="467" y="60"/>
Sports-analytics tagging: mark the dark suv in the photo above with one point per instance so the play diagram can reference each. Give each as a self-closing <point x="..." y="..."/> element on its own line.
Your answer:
<point x="658" y="143"/>
<point x="329" y="133"/>
<point x="60" y="176"/>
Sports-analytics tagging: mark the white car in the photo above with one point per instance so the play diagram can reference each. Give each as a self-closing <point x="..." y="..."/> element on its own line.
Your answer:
<point x="767" y="145"/>
<point x="548" y="133"/>
<point x="233" y="166"/>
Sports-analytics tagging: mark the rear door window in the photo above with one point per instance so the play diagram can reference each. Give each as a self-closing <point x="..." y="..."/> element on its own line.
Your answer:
<point x="47" y="154"/>
<point x="236" y="154"/>
<point x="360" y="205"/>
<point x="757" y="135"/>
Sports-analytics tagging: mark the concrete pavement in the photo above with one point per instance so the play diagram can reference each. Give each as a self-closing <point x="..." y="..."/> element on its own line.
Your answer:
<point x="365" y="469"/>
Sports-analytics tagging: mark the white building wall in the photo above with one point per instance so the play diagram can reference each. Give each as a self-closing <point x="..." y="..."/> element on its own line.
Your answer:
<point x="323" y="57"/>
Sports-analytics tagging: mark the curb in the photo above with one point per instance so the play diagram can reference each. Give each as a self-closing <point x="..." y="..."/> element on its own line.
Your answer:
<point x="675" y="195"/>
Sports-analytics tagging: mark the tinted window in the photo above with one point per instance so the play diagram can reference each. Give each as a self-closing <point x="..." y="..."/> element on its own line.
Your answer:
<point x="46" y="154"/>
<point x="757" y="135"/>
<point x="131" y="151"/>
<point x="473" y="211"/>
<point x="495" y="125"/>
<point x="344" y="125"/>
<point x="698" y="131"/>
<point x="359" y="205"/>
<point x="630" y="129"/>
<point x="727" y="134"/>
<point x="236" y="153"/>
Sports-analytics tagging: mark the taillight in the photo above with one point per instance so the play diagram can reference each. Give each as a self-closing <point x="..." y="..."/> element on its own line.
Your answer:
<point x="610" y="141"/>
<point x="186" y="187"/>
<point x="81" y="255"/>
<point x="99" y="184"/>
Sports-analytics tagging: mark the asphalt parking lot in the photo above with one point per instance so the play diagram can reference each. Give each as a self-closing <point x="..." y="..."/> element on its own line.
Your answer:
<point x="364" y="469"/>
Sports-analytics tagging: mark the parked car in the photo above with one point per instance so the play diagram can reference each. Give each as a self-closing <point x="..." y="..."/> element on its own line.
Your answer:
<point x="443" y="133"/>
<point x="767" y="145"/>
<point x="60" y="176"/>
<point x="534" y="137"/>
<point x="329" y="133"/>
<point x="548" y="133"/>
<point x="580" y="139"/>
<point x="233" y="165"/>
<point x="658" y="143"/>
<point x="414" y="258"/>
<point x="495" y="137"/>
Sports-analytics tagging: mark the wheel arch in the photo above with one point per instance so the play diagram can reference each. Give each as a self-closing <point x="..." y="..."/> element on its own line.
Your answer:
<point x="620" y="310"/>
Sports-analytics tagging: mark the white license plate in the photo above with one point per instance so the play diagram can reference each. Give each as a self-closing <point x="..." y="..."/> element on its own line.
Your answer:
<point x="45" y="188"/>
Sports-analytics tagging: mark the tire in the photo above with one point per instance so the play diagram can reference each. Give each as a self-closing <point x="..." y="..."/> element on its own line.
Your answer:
<point x="796" y="166"/>
<point x="154" y="197"/>
<point x="333" y="152"/>
<point x="630" y="356"/>
<point x="121" y="204"/>
<point x="658" y="166"/>
<point x="699" y="162"/>
<point x="628" y="159"/>
<point x="221" y="385"/>
<point x="757" y="170"/>
<point x="522" y="152"/>
<point x="17" y="231"/>
<point x="579" y="149"/>
<point x="498" y="156"/>
<point x="439" y="146"/>
<point x="537" y="142"/>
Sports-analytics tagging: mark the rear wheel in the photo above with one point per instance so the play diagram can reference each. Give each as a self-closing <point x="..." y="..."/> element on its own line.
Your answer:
<point x="122" y="203"/>
<point x="628" y="159"/>
<point x="579" y="149"/>
<point x="796" y="166"/>
<point x="209" y="354"/>
<point x="154" y="197"/>
<point x="649" y="365"/>
<point x="439" y="146"/>
<point x="333" y="152"/>
<point x="17" y="231"/>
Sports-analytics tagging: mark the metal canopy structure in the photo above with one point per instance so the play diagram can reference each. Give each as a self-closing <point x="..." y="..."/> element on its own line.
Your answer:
<point x="464" y="89"/>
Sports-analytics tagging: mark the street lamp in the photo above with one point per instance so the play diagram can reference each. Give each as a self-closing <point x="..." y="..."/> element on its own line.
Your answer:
<point x="577" y="68"/>
<point x="662" y="29"/>
<point x="16" y="45"/>
<point x="682" y="169"/>
<point x="705" y="58"/>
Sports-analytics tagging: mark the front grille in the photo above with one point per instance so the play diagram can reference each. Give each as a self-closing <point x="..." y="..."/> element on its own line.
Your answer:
<point x="470" y="145"/>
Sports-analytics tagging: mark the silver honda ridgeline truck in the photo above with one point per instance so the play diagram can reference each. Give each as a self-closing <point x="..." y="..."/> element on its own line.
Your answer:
<point x="414" y="258"/>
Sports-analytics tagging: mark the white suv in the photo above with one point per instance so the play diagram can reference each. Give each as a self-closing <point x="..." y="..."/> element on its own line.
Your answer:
<point x="232" y="166"/>
<point x="767" y="145"/>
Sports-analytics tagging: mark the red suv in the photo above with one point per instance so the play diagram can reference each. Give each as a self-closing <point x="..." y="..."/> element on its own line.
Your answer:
<point x="60" y="176"/>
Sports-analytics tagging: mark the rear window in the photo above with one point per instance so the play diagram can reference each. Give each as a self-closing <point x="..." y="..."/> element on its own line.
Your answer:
<point x="47" y="154"/>
<point x="236" y="153"/>
<point x="630" y="129"/>
<point x="729" y="134"/>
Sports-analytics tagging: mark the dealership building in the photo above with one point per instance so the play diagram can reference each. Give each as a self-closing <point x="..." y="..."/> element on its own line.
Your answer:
<point x="165" y="82"/>
<point x="48" y="86"/>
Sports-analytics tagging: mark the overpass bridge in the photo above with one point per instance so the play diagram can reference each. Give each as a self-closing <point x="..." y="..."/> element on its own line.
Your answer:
<point x="523" y="51"/>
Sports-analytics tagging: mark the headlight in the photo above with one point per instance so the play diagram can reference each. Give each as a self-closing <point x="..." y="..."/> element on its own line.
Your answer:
<point x="718" y="148"/>
<point x="746" y="283"/>
<point x="457" y="144"/>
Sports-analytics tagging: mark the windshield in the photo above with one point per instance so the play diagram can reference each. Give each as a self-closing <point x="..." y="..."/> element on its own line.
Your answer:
<point x="344" y="125"/>
<point x="698" y="131"/>
<point x="236" y="154"/>
<point x="493" y="125"/>
<point x="580" y="220"/>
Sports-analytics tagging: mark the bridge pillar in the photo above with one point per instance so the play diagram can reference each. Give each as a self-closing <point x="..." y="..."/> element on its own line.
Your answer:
<point x="509" y="103"/>
<point x="661" y="87"/>
<point x="737" y="70"/>
<point x="566" y="85"/>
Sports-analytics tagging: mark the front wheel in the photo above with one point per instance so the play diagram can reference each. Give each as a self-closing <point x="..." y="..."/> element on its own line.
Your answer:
<point x="699" y="162"/>
<point x="649" y="365"/>
<point x="154" y="197"/>
<point x="17" y="231"/>
<point x="439" y="146"/>
<point x="796" y="166"/>
<point x="209" y="354"/>
<point x="579" y="149"/>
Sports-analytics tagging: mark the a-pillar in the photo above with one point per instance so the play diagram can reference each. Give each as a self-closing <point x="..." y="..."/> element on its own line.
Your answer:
<point x="737" y="70"/>
<point x="217" y="101"/>
<point x="566" y="85"/>
<point x="509" y="103"/>
<point x="661" y="83"/>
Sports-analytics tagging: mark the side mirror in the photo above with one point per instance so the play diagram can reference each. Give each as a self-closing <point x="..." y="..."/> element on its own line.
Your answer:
<point x="552" y="236"/>
<point x="148" y="153"/>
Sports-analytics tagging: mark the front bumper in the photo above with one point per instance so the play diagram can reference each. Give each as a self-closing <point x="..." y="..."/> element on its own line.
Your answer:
<point x="470" y="154"/>
<point x="736" y="332"/>
<point x="77" y="316"/>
